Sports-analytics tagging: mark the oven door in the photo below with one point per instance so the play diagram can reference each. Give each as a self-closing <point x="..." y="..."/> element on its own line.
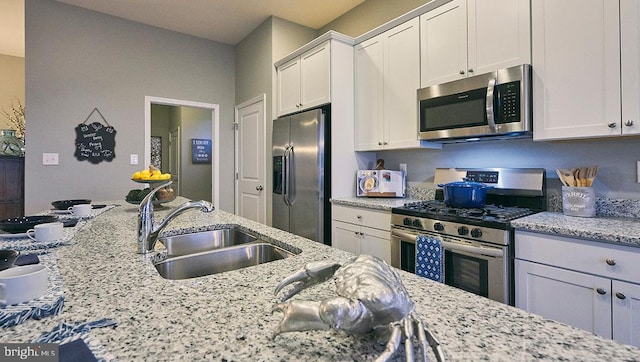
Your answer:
<point x="479" y="268"/>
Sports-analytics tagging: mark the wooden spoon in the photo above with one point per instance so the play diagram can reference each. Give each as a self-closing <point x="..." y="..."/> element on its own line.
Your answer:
<point x="592" y="172"/>
<point x="568" y="178"/>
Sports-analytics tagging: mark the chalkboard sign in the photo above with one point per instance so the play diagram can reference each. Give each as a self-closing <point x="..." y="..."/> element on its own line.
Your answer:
<point x="95" y="142"/>
<point x="200" y="150"/>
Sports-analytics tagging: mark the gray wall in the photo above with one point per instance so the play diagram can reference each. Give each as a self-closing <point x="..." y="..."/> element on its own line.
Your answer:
<point x="78" y="59"/>
<point x="255" y="76"/>
<point x="369" y="15"/>
<point x="195" y="178"/>
<point x="11" y="85"/>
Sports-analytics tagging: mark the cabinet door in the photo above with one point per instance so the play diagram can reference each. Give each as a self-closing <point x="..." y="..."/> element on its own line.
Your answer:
<point x="401" y="82"/>
<point x="369" y="92"/>
<point x="315" y="77"/>
<point x="630" y="40"/>
<point x="289" y="87"/>
<point x="565" y="296"/>
<point x="345" y="237"/>
<point x="626" y="313"/>
<point x="443" y="43"/>
<point x="499" y="44"/>
<point x="576" y="65"/>
<point x="377" y="243"/>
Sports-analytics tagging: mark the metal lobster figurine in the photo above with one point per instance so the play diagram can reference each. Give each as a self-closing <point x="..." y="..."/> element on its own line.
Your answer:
<point x="371" y="297"/>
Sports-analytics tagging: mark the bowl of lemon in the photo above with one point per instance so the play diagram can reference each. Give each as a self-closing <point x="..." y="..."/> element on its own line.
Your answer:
<point x="151" y="176"/>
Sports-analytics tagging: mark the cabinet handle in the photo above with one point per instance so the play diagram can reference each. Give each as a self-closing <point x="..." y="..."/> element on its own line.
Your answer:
<point x="470" y="70"/>
<point x="610" y="261"/>
<point x="620" y="295"/>
<point x="379" y="143"/>
<point x="612" y="125"/>
<point x="461" y="72"/>
<point x="359" y="217"/>
<point x="385" y="143"/>
<point x="601" y="291"/>
<point x="628" y="123"/>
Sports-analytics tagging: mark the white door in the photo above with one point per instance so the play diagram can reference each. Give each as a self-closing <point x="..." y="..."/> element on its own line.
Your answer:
<point x="578" y="299"/>
<point x="251" y="188"/>
<point x="626" y="313"/>
<point x="174" y="158"/>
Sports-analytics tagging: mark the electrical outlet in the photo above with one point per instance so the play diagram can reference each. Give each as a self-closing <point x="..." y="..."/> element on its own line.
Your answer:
<point x="133" y="159"/>
<point x="50" y="159"/>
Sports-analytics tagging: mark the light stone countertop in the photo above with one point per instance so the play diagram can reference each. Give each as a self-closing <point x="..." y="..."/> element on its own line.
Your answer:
<point x="376" y="203"/>
<point x="228" y="316"/>
<point x="623" y="231"/>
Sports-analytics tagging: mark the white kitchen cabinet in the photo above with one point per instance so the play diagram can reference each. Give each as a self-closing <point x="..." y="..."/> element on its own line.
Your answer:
<point x="467" y="37"/>
<point x="585" y="83"/>
<point x="362" y="231"/>
<point x="387" y="78"/>
<point x="586" y="284"/>
<point x="304" y="82"/>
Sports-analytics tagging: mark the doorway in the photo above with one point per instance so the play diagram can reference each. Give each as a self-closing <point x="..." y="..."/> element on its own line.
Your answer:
<point x="185" y="151"/>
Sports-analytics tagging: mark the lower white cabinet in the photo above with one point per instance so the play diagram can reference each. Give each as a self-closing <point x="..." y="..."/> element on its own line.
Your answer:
<point x="586" y="284"/>
<point x="361" y="231"/>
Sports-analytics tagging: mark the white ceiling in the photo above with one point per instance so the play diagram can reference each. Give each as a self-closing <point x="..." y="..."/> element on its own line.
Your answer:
<point x="225" y="21"/>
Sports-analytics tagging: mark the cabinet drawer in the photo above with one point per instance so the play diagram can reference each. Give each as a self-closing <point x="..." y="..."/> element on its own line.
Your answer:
<point x="361" y="216"/>
<point x="608" y="260"/>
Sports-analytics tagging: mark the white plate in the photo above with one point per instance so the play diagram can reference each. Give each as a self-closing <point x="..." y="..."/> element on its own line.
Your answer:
<point x="5" y="235"/>
<point x="61" y="212"/>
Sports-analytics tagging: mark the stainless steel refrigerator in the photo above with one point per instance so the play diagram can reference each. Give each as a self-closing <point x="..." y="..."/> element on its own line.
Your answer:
<point x="301" y="174"/>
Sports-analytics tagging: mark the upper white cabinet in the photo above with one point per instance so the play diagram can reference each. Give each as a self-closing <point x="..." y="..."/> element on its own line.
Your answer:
<point x="586" y="284"/>
<point x="468" y="37"/>
<point x="585" y="82"/>
<point x="304" y="82"/>
<point x="387" y="78"/>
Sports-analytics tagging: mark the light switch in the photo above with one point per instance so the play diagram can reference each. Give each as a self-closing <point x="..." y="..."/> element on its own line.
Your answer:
<point x="49" y="158"/>
<point x="133" y="159"/>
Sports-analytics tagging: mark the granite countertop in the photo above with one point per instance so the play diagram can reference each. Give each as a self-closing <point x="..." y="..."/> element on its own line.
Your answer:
<point x="625" y="231"/>
<point x="377" y="203"/>
<point x="228" y="316"/>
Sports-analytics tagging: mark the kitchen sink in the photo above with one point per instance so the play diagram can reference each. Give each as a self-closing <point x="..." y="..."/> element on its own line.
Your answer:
<point x="205" y="241"/>
<point x="219" y="260"/>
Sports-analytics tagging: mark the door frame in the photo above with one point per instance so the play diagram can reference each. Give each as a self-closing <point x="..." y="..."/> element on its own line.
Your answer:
<point x="261" y="98"/>
<point x="215" y="136"/>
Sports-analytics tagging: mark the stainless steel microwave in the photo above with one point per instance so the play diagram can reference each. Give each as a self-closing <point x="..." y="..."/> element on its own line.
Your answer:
<point x="485" y="106"/>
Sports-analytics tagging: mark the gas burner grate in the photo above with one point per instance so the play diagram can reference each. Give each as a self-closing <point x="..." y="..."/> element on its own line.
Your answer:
<point x="489" y="212"/>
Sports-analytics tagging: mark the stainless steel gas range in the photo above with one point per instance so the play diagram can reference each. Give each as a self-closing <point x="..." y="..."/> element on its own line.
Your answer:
<point x="478" y="242"/>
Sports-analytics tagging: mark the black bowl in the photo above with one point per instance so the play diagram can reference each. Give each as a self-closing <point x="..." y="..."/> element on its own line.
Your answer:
<point x="65" y="204"/>
<point x="7" y="258"/>
<point x="24" y="223"/>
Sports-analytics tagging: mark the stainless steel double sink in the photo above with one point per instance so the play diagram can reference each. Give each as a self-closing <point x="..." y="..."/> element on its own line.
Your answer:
<point x="215" y="251"/>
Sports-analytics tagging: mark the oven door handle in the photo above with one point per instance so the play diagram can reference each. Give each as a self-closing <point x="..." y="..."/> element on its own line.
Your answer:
<point x="452" y="246"/>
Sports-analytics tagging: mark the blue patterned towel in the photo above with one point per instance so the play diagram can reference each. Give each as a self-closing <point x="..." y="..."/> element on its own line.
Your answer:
<point x="430" y="258"/>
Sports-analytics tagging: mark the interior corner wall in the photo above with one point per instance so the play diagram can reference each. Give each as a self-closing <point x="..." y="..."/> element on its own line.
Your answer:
<point x="12" y="89"/>
<point x="369" y="15"/>
<point x="77" y="60"/>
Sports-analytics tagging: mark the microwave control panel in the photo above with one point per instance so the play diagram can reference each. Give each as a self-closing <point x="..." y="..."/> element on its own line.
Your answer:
<point x="508" y="96"/>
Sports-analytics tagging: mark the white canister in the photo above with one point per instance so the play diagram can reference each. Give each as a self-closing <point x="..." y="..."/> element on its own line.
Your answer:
<point x="578" y="201"/>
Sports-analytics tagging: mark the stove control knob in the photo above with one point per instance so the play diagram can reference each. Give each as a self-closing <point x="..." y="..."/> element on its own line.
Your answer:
<point x="417" y="223"/>
<point x="463" y="230"/>
<point x="406" y="221"/>
<point x="476" y="233"/>
<point x="438" y="226"/>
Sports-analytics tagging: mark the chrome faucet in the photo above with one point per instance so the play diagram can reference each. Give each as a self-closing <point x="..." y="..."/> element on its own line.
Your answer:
<point x="147" y="231"/>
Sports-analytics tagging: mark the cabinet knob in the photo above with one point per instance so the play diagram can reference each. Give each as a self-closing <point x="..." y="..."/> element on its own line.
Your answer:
<point x="461" y="72"/>
<point x="359" y="217"/>
<point x="470" y="70"/>
<point x="601" y="291"/>
<point x="610" y="261"/>
<point x="384" y="143"/>
<point x="620" y="295"/>
<point x="612" y="125"/>
<point x="628" y="123"/>
<point x="379" y="143"/>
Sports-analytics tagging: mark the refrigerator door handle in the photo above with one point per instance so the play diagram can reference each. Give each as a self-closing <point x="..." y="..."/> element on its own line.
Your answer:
<point x="289" y="172"/>
<point x="285" y="176"/>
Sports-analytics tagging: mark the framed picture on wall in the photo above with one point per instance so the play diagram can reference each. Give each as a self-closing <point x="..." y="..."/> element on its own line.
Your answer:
<point x="200" y="150"/>
<point x="156" y="152"/>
